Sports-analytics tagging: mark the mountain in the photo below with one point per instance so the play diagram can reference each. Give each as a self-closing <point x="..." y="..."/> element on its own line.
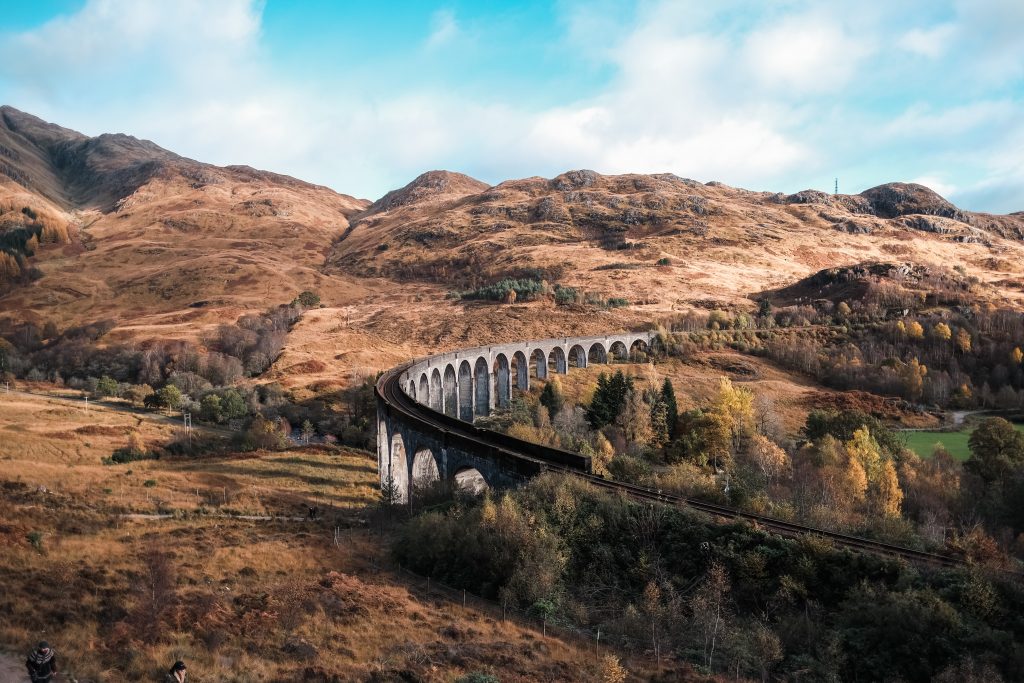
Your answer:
<point x="131" y="231"/>
<point x="112" y="227"/>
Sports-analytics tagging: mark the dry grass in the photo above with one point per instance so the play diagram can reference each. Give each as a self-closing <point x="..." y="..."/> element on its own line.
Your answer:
<point x="246" y="600"/>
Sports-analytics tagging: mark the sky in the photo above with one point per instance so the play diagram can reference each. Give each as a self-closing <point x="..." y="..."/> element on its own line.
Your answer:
<point x="779" y="95"/>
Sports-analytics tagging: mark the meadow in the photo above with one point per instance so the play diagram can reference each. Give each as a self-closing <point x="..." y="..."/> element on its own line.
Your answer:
<point x="923" y="443"/>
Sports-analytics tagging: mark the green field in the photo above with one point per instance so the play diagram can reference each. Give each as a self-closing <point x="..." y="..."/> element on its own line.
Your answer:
<point x="923" y="443"/>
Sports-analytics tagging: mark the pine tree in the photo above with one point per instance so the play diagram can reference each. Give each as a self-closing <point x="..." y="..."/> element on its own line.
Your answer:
<point x="668" y="397"/>
<point x="659" y="423"/>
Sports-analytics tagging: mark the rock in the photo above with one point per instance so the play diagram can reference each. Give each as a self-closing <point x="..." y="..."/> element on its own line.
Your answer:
<point x="575" y="180"/>
<point x="299" y="648"/>
<point x="893" y="200"/>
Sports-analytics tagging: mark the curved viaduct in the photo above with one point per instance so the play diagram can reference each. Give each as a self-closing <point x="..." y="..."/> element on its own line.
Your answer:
<point x="425" y="410"/>
<point x="459" y="386"/>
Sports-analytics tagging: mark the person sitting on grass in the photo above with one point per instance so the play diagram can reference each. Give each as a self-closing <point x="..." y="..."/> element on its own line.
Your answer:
<point x="41" y="663"/>
<point x="176" y="674"/>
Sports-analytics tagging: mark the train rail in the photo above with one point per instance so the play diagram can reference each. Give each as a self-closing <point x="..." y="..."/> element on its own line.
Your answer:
<point x="534" y="458"/>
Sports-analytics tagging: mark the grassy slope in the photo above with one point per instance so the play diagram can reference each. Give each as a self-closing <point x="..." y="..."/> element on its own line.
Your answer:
<point x="254" y="600"/>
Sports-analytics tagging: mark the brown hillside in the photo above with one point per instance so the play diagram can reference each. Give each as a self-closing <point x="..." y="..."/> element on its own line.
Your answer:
<point x="169" y="247"/>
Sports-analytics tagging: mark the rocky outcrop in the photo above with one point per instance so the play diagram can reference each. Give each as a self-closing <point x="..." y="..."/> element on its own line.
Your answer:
<point x="428" y="187"/>
<point x="893" y="200"/>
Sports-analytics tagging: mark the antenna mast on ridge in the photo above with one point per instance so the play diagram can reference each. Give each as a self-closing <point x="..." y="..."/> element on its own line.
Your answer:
<point x="836" y="191"/>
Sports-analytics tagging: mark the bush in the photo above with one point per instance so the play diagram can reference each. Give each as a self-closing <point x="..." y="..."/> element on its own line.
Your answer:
<point x="526" y="290"/>
<point x="665" y="261"/>
<point x="566" y="295"/>
<point x="617" y="302"/>
<point x="477" y="677"/>
<point x="307" y="299"/>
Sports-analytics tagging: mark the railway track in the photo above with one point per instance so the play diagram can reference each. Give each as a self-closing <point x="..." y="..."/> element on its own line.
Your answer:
<point x="389" y="390"/>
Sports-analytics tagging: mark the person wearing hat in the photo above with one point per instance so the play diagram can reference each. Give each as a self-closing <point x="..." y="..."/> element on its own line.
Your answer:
<point x="41" y="663"/>
<point x="176" y="674"/>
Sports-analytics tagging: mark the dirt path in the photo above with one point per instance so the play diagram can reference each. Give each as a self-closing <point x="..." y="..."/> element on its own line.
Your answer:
<point x="12" y="669"/>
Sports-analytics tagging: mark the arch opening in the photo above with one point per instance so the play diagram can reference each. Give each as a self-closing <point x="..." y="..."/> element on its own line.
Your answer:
<point x="436" y="393"/>
<point x="451" y="392"/>
<point x="597" y="353"/>
<point x="424" y="470"/>
<point x="469" y="480"/>
<point x="618" y="352"/>
<point x="465" y="391"/>
<point x="423" y="393"/>
<point x="502" y="385"/>
<point x="412" y="389"/>
<point x="577" y="357"/>
<point x="397" y="476"/>
<point x="521" y="371"/>
<point x="482" y="394"/>
<point x="556" y="361"/>
<point x="540" y="363"/>
<point x="639" y="351"/>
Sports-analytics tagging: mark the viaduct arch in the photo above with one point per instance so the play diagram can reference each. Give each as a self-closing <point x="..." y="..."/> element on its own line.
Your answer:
<point x="431" y="443"/>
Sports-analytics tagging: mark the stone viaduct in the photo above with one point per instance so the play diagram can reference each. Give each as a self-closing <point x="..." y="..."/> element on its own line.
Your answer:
<point x="425" y="411"/>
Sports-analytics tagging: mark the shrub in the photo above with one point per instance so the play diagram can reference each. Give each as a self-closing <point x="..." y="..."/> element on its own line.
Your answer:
<point x="478" y="677"/>
<point x="35" y="538"/>
<point x="307" y="299"/>
<point x="526" y="290"/>
<point x="617" y="302"/>
<point x="149" y="483"/>
<point x="665" y="261"/>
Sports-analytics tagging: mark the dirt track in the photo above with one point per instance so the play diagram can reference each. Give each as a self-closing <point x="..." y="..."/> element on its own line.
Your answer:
<point x="12" y="669"/>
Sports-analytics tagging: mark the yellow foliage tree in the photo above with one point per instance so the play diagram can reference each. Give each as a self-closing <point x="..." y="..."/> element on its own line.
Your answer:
<point x="963" y="340"/>
<point x="771" y="460"/>
<point x="914" y="330"/>
<point x="1017" y="355"/>
<point x="913" y="375"/>
<point x="853" y="485"/>
<point x="885" y="495"/>
<point x="866" y="451"/>
<point x="612" y="671"/>
<point x="943" y="332"/>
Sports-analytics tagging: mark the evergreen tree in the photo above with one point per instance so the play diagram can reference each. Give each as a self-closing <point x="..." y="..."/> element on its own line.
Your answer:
<point x="551" y="397"/>
<point x="668" y="397"/>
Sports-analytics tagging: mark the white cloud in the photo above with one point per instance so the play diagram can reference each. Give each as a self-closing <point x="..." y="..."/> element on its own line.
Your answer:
<point x="766" y="98"/>
<point x="928" y="42"/>
<point x="934" y="183"/>
<point x="808" y="53"/>
<point x="444" y="29"/>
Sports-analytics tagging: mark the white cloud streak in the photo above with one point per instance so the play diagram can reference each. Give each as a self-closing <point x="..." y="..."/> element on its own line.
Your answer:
<point x="770" y="104"/>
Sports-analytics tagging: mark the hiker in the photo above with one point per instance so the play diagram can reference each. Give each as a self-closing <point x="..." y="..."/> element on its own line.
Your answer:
<point x="176" y="674"/>
<point x="41" y="663"/>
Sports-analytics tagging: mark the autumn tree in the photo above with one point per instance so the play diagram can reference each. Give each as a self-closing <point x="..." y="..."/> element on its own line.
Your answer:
<point x="769" y="459"/>
<point x="913" y="378"/>
<point x="884" y="493"/>
<point x="962" y="340"/>
<point x="709" y="608"/>
<point x="635" y="420"/>
<point x="942" y="332"/>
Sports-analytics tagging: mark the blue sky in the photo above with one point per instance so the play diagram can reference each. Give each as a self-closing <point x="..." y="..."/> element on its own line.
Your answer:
<point x="779" y="95"/>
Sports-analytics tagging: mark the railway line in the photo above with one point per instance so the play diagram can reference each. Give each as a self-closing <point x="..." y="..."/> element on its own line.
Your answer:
<point x="536" y="458"/>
